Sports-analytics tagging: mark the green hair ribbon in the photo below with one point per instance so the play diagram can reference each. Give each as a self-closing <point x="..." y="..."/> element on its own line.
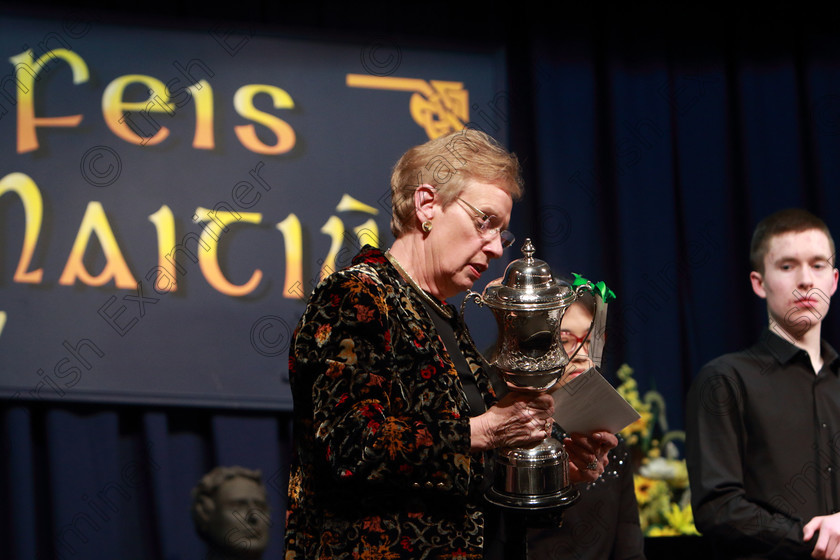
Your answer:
<point x="600" y="289"/>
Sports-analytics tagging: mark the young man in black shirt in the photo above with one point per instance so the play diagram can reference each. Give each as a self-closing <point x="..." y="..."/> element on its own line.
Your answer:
<point x="763" y="424"/>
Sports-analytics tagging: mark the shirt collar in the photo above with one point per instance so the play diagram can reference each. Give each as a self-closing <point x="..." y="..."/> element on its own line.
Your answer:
<point x="784" y="351"/>
<point x="829" y="354"/>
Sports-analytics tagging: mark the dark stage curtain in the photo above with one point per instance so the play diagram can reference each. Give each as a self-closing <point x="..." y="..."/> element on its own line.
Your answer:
<point x="655" y="146"/>
<point x="651" y="148"/>
<point x="114" y="482"/>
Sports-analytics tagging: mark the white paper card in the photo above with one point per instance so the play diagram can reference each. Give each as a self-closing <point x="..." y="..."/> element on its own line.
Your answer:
<point x="588" y="403"/>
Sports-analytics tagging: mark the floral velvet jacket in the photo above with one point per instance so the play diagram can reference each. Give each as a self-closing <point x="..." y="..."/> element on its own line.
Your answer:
<point x="382" y="467"/>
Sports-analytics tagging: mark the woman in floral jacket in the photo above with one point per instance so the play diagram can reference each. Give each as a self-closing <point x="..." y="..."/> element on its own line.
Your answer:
<point x="393" y="406"/>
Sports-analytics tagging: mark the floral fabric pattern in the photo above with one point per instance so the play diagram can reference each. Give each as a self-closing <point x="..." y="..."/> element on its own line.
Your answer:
<point x="382" y="467"/>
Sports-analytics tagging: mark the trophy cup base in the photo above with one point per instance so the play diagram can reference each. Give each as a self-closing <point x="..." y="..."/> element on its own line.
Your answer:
<point x="534" y="502"/>
<point x="534" y="482"/>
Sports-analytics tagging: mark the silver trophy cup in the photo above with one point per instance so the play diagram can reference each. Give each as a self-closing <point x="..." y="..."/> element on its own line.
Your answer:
<point x="528" y="304"/>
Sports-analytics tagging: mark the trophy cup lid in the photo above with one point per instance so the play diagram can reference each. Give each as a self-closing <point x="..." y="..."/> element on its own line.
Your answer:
<point x="528" y="285"/>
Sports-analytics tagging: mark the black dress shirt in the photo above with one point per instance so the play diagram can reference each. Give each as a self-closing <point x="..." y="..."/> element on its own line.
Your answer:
<point x="763" y="444"/>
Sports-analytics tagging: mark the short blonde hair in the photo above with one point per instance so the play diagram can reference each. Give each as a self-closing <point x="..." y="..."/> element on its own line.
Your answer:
<point x="448" y="163"/>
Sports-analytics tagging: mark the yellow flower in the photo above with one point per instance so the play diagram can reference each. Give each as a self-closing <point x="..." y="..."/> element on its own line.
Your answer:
<point x="624" y="372"/>
<point x="681" y="520"/>
<point x="639" y="426"/>
<point x="662" y="532"/>
<point x="643" y="487"/>
<point x="629" y="390"/>
<point x="648" y="489"/>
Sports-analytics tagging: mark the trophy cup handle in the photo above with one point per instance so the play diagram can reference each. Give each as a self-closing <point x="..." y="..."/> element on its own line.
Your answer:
<point x="471" y="295"/>
<point x="479" y="300"/>
<point x="582" y="288"/>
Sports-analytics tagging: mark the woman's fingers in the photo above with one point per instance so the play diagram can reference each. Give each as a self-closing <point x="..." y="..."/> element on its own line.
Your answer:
<point x="522" y="418"/>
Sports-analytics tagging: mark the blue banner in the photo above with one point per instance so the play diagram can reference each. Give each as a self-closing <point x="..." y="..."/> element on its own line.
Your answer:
<point x="169" y="198"/>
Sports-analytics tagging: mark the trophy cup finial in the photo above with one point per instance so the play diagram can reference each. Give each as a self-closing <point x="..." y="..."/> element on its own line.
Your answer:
<point x="528" y="249"/>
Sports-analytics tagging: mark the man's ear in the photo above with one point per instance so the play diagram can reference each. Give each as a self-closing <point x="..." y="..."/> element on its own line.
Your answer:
<point x="424" y="202"/>
<point x="757" y="282"/>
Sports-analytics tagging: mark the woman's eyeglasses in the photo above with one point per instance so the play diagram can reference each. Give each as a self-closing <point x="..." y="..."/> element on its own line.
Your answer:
<point x="484" y="225"/>
<point x="571" y="342"/>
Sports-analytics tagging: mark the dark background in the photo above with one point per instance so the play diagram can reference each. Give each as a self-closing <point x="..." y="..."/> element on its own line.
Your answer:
<point x="653" y="140"/>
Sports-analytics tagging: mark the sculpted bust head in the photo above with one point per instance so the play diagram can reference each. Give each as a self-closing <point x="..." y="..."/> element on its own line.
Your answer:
<point x="231" y="513"/>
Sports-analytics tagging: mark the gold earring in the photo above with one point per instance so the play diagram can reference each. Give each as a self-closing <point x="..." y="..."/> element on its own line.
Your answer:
<point x="427" y="226"/>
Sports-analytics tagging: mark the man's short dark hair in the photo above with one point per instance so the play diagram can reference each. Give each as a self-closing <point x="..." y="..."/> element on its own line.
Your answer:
<point x="790" y="220"/>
